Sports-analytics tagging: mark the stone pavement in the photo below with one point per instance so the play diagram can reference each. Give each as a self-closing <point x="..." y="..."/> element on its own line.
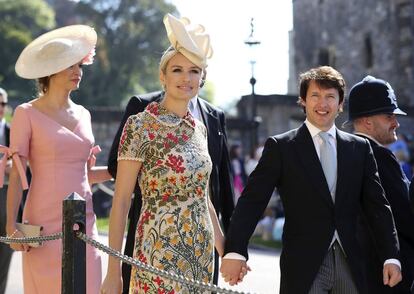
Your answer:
<point x="263" y="279"/>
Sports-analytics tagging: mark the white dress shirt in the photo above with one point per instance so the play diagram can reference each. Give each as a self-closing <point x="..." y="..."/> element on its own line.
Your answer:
<point x="2" y="132"/>
<point x="193" y="107"/>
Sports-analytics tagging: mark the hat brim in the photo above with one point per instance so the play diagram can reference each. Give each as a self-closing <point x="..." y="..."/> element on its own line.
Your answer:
<point x="399" y="112"/>
<point x="31" y="64"/>
<point x="374" y="112"/>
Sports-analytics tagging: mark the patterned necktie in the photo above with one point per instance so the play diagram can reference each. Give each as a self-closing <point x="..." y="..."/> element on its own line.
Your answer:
<point x="328" y="162"/>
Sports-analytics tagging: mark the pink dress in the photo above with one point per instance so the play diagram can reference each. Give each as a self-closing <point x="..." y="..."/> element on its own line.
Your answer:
<point x="57" y="157"/>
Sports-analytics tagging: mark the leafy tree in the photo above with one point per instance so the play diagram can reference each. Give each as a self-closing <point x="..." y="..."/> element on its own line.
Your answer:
<point x="207" y="92"/>
<point x="131" y="40"/>
<point x="21" y="21"/>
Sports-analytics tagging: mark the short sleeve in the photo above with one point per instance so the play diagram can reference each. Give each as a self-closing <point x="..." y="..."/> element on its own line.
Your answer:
<point x="20" y="131"/>
<point x="134" y="140"/>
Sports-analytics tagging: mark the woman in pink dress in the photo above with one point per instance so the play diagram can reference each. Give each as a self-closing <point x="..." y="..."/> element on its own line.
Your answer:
<point x="54" y="135"/>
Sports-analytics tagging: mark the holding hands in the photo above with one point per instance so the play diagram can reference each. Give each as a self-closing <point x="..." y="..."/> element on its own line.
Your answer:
<point x="233" y="270"/>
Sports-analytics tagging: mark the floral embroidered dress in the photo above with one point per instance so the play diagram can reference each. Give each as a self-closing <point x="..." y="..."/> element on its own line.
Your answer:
<point x="174" y="231"/>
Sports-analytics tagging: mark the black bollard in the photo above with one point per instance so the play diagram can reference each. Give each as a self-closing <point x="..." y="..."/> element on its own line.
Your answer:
<point x="74" y="249"/>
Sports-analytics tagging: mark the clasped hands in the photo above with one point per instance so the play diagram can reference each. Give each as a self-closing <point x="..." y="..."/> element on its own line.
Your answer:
<point x="233" y="270"/>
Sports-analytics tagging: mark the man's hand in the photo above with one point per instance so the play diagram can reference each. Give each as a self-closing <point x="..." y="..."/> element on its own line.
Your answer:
<point x="233" y="270"/>
<point x="391" y="274"/>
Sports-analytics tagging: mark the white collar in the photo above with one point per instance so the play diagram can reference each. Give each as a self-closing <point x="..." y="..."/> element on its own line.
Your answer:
<point x="194" y="100"/>
<point x="368" y="136"/>
<point x="314" y="131"/>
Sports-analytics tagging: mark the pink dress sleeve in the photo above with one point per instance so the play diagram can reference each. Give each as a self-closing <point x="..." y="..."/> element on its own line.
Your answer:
<point x="20" y="132"/>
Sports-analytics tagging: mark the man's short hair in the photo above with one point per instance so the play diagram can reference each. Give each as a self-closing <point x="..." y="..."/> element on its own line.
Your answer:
<point x="325" y="77"/>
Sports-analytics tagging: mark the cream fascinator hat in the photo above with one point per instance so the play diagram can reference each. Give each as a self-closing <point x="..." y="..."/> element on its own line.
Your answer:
<point x="57" y="50"/>
<point x="190" y="40"/>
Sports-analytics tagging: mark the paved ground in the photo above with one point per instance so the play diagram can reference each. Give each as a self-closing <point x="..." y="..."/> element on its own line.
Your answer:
<point x="263" y="279"/>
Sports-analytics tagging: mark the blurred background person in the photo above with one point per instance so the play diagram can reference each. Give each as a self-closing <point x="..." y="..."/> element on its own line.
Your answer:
<point x="253" y="159"/>
<point x="237" y="169"/>
<point x="401" y="150"/>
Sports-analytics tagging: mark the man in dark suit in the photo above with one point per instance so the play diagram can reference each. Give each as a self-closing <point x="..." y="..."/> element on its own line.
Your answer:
<point x="221" y="188"/>
<point x="5" y="250"/>
<point x="372" y="110"/>
<point x="324" y="177"/>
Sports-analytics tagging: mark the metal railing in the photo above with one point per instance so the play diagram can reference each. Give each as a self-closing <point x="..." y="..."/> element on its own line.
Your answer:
<point x="74" y="241"/>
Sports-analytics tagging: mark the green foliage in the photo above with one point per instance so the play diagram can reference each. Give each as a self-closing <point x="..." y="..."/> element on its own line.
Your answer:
<point x="131" y="41"/>
<point x="207" y="92"/>
<point x="21" y="20"/>
<point x="270" y="244"/>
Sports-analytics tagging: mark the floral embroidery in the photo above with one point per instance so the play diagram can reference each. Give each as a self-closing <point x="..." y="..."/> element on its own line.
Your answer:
<point x="174" y="232"/>
<point x="175" y="162"/>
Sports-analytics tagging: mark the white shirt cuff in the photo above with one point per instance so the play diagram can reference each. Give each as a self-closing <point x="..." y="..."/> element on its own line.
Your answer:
<point x="234" y="255"/>
<point x="393" y="261"/>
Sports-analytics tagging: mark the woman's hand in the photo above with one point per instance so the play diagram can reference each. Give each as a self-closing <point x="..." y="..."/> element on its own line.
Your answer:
<point x="112" y="284"/>
<point x="18" y="246"/>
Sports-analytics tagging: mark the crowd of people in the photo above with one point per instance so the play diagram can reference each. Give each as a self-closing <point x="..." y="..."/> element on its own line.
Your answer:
<point x="198" y="202"/>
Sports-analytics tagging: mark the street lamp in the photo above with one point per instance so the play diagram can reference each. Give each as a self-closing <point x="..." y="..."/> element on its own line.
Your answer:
<point x="252" y="43"/>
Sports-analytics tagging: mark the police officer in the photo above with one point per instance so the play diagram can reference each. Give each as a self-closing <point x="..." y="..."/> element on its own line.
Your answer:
<point x="373" y="111"/>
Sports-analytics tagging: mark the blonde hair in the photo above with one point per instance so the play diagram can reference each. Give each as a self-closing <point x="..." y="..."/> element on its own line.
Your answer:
<point x="166" y="56"/>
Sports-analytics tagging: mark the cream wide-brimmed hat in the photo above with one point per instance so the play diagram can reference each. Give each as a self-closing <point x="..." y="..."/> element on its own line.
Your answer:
<point x="56" y="50"/>
<point x="190" y="40"/>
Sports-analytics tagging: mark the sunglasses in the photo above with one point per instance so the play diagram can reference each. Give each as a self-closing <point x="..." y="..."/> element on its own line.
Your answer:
<point x="3" y="103"/>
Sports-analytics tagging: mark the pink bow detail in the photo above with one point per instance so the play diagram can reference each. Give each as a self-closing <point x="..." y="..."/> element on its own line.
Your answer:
<point x="94" y="150"/>
<point x="14" y="154"/>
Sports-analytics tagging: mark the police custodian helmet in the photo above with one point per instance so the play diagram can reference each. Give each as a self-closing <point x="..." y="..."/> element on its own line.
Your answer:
<point x="372" y="96"/>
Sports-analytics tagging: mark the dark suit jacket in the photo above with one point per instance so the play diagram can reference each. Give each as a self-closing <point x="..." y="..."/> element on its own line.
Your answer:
<point x="395" y="185"/>
<point x="3" y="194"/>
<point x="291" y="164"/>
<point x="7" y="134"/>
<point x="221" y="187"/>
<point x="412" y="193"/>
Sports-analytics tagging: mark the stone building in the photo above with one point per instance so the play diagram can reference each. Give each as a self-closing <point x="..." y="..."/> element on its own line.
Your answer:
<point x="358" y="38"/>
<point x="274" y="114"/>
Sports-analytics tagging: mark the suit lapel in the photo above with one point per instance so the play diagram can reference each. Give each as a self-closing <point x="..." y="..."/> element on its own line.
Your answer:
<point x="211" y="121"/>
<point x="344" y="150"/>
<point x="310" y="162"/>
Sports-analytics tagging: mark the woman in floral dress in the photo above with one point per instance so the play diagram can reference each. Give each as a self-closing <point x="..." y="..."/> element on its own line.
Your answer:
<point x="165" y="148"/>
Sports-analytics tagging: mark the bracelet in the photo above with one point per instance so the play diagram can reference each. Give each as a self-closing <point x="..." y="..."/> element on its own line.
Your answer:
<point x="14" y="233"/>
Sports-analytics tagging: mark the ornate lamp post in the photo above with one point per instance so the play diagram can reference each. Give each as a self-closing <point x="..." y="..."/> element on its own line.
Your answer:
<point x="252" y="43"/>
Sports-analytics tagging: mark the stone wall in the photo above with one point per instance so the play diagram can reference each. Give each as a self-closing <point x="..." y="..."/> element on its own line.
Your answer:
<point x="358" y="38"/>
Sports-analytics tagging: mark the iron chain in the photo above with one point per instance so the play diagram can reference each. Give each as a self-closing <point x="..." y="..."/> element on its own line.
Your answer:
<point x="39" y="239"/>
<point x="126" y="259"/>
<point x="153" y="270"/>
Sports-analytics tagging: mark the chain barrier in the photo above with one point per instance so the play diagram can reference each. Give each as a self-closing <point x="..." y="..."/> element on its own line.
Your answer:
<point x="39" y="239"/>
<point x="126" y="259"/>
<point x="143" y="266"/>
